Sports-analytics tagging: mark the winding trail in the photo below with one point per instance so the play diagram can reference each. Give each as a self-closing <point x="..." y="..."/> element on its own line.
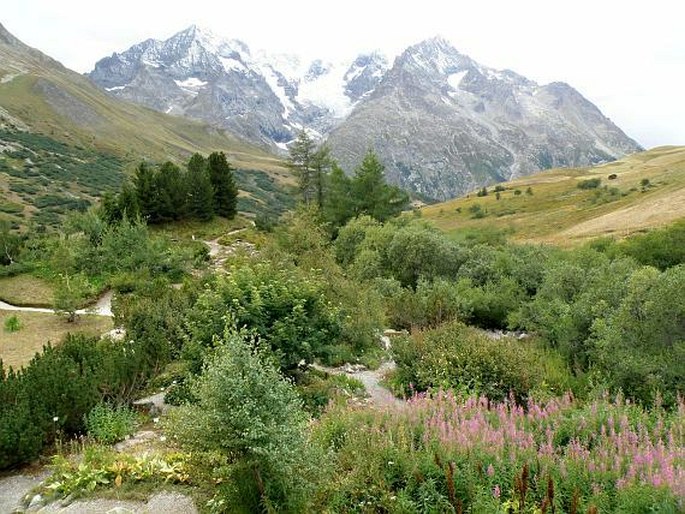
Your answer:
<point x="103" y="307"/>
<point x="379" y="395"/>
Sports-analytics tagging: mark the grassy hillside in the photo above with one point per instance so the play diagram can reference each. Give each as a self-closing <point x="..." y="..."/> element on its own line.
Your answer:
<point x="61" y="136"/>
<point x="568" y="206"/>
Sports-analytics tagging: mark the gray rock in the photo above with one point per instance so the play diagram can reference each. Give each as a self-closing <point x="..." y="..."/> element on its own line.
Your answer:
<point x="441" y="123"/>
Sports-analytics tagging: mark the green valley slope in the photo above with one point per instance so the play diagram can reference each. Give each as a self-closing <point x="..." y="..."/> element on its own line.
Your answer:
<point x="646" y="190"/>
<point x="75" y="120"/>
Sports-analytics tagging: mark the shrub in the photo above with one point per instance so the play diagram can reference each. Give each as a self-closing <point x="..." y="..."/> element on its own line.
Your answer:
<point x="247" y="412"/>
<point x="286" y="309"/>
<point x="455" y="356"/>
<point x="446" y="453"/>
<point x="12" y="324"/>
<point x="592" y="183"/>
<point x="51" y="396"/>
<point x="108" y="424"/>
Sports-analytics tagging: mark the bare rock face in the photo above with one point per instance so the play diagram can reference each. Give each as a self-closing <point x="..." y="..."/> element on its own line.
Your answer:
<point x="444" y="125"/>
<point x="265" y="99"/>
<point x="441" y="123"/>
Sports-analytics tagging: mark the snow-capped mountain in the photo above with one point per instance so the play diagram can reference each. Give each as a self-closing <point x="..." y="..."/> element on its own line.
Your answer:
<point x="445" y="124"/>
<point x="261" y="97"/>
<point x="442" y="123"/>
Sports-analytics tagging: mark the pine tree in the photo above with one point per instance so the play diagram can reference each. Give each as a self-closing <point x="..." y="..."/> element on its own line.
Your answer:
<point x="172" y="192"/>
<point x="339" y="206"/>
<point x="322" y="162"/>
<point x="372" y="195"/>
<point x="146" y="193"/>
<point x="223" y="183"/>
<point x="200" y="191"/>
<point x="128" y="202"/>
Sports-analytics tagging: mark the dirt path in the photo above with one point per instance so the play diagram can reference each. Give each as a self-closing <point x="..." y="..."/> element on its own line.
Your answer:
<point x="379" y="394"/>
<point x="103" y="307"/>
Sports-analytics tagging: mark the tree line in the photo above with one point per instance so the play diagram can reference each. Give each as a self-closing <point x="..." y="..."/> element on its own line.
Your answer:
<point x="322" y="182"/>
<point x="206" y="188"/>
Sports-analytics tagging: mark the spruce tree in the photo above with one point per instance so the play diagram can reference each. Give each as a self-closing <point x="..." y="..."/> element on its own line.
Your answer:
<point x="322" y="163"/>
<point x="372" y="195"/>
<point x="146" y="192"/>
<point x="223" y="184"/>
<point x="172" y="192"/>
<point x="339" y="205"/>
<point x="200" y="191"/>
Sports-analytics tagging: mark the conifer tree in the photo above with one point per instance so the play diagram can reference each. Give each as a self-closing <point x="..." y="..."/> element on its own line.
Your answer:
<point x="372" y="195"/>
<point x="146" y="192"/>
<point x="223" y="183"/>
<point x="200" y="191"/>
<point x="339" y="205"/>
<point x="172" y="192"/>
<point x="301" y="162"/>
<point x="322" y="163"/>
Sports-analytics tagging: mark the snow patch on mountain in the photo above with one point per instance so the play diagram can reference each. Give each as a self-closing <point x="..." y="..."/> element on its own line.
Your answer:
<point x="454" y="79"/>
<point x="326" y="88"/>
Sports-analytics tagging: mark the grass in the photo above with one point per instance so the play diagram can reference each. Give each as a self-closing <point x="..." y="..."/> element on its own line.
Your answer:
<point x="18" y="348"/>
<point x="202" y="230"/>
<point x="26" y="291"/>
<point x="70" y="116"/>
<point x="560" y="212"/>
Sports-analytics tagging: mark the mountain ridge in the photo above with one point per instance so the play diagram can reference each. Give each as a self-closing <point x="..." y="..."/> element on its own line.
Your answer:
<point x="441" y="122"/>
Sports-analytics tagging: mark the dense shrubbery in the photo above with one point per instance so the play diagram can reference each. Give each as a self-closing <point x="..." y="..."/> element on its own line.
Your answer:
<point x="50" y="397"/>
<point x="284" y="308"/>
<point x="577" y="301"/>
<point x="458" y="357"/>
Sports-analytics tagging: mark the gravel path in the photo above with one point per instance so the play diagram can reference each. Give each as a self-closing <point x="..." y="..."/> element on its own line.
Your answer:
<point x="14" y="488"/>
<point x="160" y="503"/>
<point x="379" y="394"/>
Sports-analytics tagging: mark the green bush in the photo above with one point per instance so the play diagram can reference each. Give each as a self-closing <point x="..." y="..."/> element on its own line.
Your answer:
<point x="455" y="356"/>
<point x="108" y="424"/>
<point x="285" y="308"/>
<point x="248" y="413"/>
<point x="592" y="183"/>
<point x="12" y="324"/>
<point x="51" y="396"/>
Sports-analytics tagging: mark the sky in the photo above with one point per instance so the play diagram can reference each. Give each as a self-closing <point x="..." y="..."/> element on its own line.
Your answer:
<point x="628" y="58"/>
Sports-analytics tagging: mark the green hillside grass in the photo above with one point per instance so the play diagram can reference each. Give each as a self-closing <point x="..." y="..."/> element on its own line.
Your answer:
<point x="63" y="142"/>
<point x="560" y="212"/>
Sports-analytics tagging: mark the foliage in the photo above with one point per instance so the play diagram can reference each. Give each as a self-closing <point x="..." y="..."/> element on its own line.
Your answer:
<point x="109" y="424"/>
<point x="51" y="396"/>
<point x="446" y="453"/>
<point x="662" y="248"/>
<point x="640" y="347"/>
<point x="100" y="467"/>
<point x="592" y="183"/>
<point x="253" y="417"/>
<point x="456" y="356"/>
<point x="13" y="324"/>
<point x="285" y="308"/>
<point x="70" y="295"/>
<point x="223" y="184"/>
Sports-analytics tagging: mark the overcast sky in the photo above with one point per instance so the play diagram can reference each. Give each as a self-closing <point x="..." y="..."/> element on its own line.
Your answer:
<point x="630" y="62"/>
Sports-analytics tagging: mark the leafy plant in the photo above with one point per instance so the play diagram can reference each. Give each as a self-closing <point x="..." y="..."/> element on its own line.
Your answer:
<point x="109" y="424"/>
<point x="12" y="324"/>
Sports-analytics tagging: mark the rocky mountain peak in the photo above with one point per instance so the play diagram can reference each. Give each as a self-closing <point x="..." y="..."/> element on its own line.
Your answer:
<point x="442" y="123"/>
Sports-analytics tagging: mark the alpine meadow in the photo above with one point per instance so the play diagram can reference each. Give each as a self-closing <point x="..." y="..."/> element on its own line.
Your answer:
<point x="235" y="280"/>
